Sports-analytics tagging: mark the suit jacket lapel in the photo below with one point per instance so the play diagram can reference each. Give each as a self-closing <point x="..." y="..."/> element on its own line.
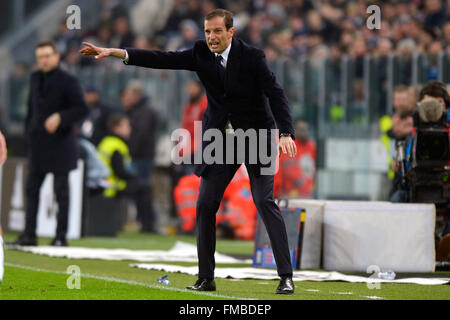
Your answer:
<point x="233" y="64"/>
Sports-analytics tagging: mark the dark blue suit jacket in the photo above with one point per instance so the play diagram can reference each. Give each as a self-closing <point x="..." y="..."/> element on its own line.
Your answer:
<point x="250" y="96"/>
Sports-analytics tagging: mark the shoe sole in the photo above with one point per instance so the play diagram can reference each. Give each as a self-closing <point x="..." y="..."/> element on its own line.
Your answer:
<point x="193" y="289"/>
<point x="284" y="292"/>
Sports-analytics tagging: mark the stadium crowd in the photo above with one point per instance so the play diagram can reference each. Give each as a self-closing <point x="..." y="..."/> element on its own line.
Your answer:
<point x="284" y="28"/>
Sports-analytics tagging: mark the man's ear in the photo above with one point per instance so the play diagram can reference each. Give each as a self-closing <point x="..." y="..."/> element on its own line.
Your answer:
<point x="231" y="31"/>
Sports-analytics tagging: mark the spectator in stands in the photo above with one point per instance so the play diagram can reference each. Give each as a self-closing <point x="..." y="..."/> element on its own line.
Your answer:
<point x="144" y="128"/>
<point x="384" y="47"/>
<point x="123" y="36"/>
<point x="115" y="153"/>
<point x="397" y="125"/>
<point x="104" y="34"/>
<point x="94" y="127"/>
<point x="66" y="39"/>
<point x="402" y="129"/>
<point x="434" y="13"/>
<point x="189" y="34"/>
<point x="336" y="23"/>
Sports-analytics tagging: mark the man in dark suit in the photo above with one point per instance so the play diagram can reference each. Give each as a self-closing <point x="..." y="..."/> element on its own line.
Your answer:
<point x="55" y="105"/>
<point x="242" y="92"/>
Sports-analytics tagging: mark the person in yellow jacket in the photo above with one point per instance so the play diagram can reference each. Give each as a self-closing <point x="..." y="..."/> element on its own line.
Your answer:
<point x="114" y="152"/>
<point x="387" y="139"/>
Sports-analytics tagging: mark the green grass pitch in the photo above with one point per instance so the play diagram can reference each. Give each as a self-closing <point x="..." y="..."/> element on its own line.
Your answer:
<point x="34" y="277"/>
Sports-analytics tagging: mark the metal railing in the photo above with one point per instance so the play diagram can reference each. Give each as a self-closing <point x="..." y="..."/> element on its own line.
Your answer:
<point x="339" y="98"/>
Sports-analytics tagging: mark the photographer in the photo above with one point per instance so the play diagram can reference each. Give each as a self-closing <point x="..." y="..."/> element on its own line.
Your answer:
<point x="402" y="129"/>
<point x="424" y="160"/>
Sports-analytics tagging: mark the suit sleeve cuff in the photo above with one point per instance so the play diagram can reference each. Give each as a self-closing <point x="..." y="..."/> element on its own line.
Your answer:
<point x="127" y="58"/>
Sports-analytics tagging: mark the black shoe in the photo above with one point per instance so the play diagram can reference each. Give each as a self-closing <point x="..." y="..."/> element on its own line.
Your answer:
<point x="286" y="286"/>
<point x="203" y="285"/>
<point x="59" y="243"/>
<point x="24" y="241"/>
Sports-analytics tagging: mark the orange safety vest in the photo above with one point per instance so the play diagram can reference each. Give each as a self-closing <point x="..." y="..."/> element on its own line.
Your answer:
<point x="240" y="210"/>
<point x="185" y="196"/>
<point x="236" y="209"/>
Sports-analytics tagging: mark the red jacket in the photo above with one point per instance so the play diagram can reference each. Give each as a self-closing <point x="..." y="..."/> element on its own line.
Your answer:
<point x="296" y="176"/>
<point x="193" y="112"/>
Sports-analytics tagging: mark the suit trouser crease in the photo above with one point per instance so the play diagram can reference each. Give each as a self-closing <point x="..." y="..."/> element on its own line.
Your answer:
<point x="212" y="188"/>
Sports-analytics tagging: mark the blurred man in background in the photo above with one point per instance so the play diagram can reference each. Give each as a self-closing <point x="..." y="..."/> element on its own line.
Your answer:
<point x="192" y="111"/>
<point x="94" y="127"/>
<point x="396" y="127"/>
<point x="144" y="127"/>
<point x="55" y="105"/>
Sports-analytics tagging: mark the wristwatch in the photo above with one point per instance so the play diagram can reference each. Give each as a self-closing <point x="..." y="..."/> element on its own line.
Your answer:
<point x="286" y="135"/>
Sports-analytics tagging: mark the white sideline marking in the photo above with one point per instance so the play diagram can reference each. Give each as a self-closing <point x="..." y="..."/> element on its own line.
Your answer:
<point x="343" y="293"/>
<point x="111" y="279"/>
<point x="373" y="297"/>
<point x="312" y="290"/>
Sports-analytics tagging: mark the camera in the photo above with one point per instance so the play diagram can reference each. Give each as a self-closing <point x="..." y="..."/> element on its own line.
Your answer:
<point x="428" y="172"/>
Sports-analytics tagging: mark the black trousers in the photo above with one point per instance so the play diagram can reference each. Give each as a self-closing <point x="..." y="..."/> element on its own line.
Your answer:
<point x="212" y="187"/>
<point x="61" y="189"/>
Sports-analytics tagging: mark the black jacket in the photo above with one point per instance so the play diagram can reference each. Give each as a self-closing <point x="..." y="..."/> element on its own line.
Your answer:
<point x="250" y="97"/>
<point x="98" y="117"/>
<point x="57" y="91"/>
<point x="144" y="127"/>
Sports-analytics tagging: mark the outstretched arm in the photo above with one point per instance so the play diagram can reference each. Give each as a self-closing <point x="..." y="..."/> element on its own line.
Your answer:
<point x="155" y="59"/>
<point x="99" y="52"/>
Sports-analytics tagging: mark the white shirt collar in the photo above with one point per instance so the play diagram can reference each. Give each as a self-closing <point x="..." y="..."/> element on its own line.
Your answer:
<point x="225" y="53"/>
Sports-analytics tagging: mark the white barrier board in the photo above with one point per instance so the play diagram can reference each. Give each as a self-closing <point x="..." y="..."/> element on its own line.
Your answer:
<point x="387" y="235"/>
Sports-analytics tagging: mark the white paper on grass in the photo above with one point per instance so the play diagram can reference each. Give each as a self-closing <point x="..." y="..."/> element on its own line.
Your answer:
<point x="180" y="252"/>
<point x="271" y="274"/>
